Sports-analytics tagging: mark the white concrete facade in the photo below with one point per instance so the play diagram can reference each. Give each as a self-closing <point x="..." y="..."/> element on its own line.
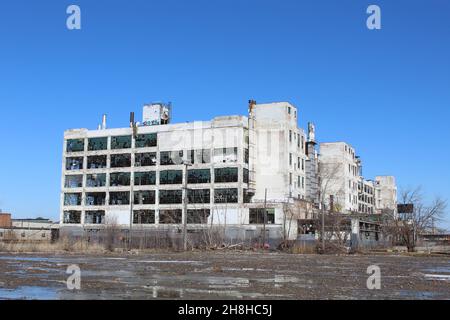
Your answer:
<point x="385" y="194"/>
<point x="106" y="176"/>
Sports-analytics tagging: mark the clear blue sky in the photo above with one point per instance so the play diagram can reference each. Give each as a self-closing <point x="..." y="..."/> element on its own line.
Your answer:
<point x="385" y="92"/>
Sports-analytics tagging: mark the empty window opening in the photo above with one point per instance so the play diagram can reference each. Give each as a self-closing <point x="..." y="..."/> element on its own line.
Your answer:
<point x="199" y="196"/>
<point x="144" y="197"/>
<point x="170" y="216"/>
<point x="245" y="175"/>
<point x="72" y="199"/>
<point x="96" y="180"/>
<point x="94" y="217"/>
<point x="247" y="196"/>
<point x="246" y="155"/>
<point x="74" y="163"/>
<point x="75" y="145"/>
<point x="75" y="181"/>
<point x="199" y="176"/>
<point x="199" y="156"/>
<point x="170" y="196"/>
<point x="171" y="158"/>
<point x="121" y="142"/>
<point x="145" y="159"/>
<point x="198" y="216"/>
<point x="118" y="179"/>
<point x="72" y="216"/>
<point x="144" y="217"/>
<point x="225" y="155"/>
<point x="171" y="177"/>
<point x="96" y="162"/>
<point x="119" y="198"/>
<point x="146" y="140"/>
<point x="226" y="195"/>
<point x="226" y="175"/>
<point x="95" y="144"/>
<point x="257" y="216"/>
<point x="120" y="160"/>
<point x="144" y="178"/>
<point x="95" y="198"/>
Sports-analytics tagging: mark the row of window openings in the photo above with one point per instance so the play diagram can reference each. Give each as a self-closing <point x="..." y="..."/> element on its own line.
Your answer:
<point x="300" y="139"/>
<point x="119" y="142"/>
<point x="221" y="155"/>
<point x="149" y="196"/>
<point x="300" y="162"/>
<point x="300" y="181"/>
<point x="117" y="179"/>
<point x="171" y="216"/>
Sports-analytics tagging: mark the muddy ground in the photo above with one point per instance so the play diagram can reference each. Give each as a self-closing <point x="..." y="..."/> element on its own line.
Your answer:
<point x="223" y="275"/>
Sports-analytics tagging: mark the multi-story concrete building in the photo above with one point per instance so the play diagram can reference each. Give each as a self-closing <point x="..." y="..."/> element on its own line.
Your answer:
<point x="366" y="196"/>
<point x="385" y="194"/>
<point x="340" y="176"/>
<point x="232" y="166"/>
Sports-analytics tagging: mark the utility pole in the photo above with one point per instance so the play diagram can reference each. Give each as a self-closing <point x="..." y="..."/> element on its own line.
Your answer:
<point x="265" y="218"/>
<point x="323" y="227"/>
<point x="185" y="198"/>
<point x="133" y="142"/>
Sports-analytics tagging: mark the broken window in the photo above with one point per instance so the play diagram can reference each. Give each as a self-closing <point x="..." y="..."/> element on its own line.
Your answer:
<point x="198" y="216"/>
<point x="95" y="144"/>
<point x="94" y="217"/>
<point x="226" y="195"/>
<point x="245" y="175"/>
<point x="170" y="196"/>
<point x="72" y="216"/>
<point x="96" y="162"/>
<point x="226" y="175"/>
<point x="144" y="216"/>
<point x="247" y="196"/>
<point x="75" y="145"/>
<point x="120" y="160"/>
<point x="171" y="158"/>
<point x="95" y="198"/>
<point x="199" y="196"/>
<point x="74" y="163"/>
<point x="199" y="176"/>
<point x="144" y="178"/>
<point x="145" y="159"/>
<point x="96" y="180"/>
<point x="118" y="179"/>
<point x="256" y="216"/>
<point x="144" y="197"/>
<point x="199" y="156"/>
<point x="121" y="142"/>
<point x="171" y="177"/>
<point x="146" y="140"/>
<point x="225" y="155"/>
<point x="170" y="216"/>
<point x="72" y="199"/>
<point x="246" y="155"/>
<point x="75" y="181"/>
<point x="119" y="198"/>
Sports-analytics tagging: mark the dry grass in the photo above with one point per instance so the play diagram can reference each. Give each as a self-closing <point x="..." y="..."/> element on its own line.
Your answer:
<point x="61" y="246"/>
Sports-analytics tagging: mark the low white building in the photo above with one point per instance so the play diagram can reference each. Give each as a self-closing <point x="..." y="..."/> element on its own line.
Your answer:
<point x="134" y="176"/>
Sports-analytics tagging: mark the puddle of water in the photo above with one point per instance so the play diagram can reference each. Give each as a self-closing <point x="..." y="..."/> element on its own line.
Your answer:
<point x="417" y="294"/>
<point x="443" y="277"/>
<point x="28" y="293"/>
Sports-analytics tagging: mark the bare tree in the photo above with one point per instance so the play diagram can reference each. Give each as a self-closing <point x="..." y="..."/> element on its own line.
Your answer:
<point x="421" y="219"/>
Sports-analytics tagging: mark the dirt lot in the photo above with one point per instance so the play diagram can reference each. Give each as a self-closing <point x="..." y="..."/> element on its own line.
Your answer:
<point x="213" y="275"/>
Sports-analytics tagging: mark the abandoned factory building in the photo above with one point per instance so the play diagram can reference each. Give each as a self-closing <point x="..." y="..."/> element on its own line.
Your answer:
<point x="221" y="172"/>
